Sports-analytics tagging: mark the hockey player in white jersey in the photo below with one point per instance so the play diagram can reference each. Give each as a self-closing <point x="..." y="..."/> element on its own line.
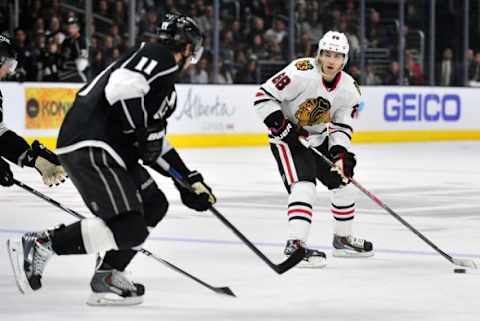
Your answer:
<point x="315" y="99"/>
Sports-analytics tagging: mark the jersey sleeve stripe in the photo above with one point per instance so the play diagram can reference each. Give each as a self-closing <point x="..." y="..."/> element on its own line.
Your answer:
<point x="127" y="114"/>
<point x="269" y="94"/>
<point x="341" y="131"/>
<point x="163" y="73"/>
<point x="256" y="102"/>
<point x="343" y="126"/>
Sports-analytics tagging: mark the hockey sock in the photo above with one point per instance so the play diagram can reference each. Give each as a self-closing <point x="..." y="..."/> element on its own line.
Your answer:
<point x="343" y="210"/>
<point x="300" y="205"/>
<point x="117" y="259"/>
<point x="67" y="239"/>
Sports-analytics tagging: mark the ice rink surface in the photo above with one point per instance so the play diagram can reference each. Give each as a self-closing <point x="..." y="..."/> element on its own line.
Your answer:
<point x="434" y="186"/>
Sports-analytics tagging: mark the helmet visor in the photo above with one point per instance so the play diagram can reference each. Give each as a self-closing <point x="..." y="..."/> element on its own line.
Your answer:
<point x="197" y="54"/>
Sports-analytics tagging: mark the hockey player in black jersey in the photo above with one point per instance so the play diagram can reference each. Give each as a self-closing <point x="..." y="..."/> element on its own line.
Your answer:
<point x="118" y="119"/>
<point x="14" y="147"/>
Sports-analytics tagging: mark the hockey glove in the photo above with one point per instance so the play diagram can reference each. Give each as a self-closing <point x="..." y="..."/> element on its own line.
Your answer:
<point x="344" y="163"/>
<point x="46" y="163"/>
<point x="6" y="175"/>
<point x="150" y="143"/>
<point x="202" y="198"/>
<point x="285" y="130"/>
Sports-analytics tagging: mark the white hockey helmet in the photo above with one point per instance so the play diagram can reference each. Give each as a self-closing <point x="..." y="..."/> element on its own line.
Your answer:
<point x="334" y="41"/>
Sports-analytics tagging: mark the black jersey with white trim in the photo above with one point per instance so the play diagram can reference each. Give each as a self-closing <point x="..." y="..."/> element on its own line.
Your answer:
<point x="136" y="91"/>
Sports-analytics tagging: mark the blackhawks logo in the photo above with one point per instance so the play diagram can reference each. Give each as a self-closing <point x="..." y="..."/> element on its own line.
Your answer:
<point x="313" y="111"/>
<point x="303" y="65"/>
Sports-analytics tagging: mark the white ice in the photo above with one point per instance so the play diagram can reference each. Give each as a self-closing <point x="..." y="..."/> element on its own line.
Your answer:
<point x="434" y="186"/>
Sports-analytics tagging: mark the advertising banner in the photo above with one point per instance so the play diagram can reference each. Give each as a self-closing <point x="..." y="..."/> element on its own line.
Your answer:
<point x="45" y="107"/>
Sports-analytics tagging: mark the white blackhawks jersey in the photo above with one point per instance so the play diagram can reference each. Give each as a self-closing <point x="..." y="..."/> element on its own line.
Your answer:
<point x="301" y="94"/>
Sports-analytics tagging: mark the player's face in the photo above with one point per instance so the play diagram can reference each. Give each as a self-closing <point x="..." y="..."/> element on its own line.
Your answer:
<point x="331" y="62"/>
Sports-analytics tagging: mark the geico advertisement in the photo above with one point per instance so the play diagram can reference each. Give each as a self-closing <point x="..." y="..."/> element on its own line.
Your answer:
<point x="417" y="108"/>
<point x="45" y="107"/>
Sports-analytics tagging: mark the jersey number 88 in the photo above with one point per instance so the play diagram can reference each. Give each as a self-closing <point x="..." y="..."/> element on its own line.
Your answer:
<point x="281" y="81"/>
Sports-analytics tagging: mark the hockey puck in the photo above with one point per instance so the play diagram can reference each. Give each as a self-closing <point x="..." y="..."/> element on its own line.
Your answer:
<point x="460" y="271"/>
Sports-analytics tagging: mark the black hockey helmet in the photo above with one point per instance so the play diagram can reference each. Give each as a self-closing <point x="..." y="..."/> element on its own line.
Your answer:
<point x="178" y="30"/>
<point x="8" y="52"/>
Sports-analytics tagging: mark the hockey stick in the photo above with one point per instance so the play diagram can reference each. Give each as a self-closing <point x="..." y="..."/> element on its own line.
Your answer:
<point x="220" y="290"/>
<point x="280" y="268"/>
<point x="461" y="262"/>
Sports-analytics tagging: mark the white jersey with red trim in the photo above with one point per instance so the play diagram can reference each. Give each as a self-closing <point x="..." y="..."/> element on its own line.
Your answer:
<point x="300" y="92"/>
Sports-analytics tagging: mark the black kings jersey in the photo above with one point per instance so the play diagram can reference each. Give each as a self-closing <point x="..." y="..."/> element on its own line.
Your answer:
<point x="136" y="91"/>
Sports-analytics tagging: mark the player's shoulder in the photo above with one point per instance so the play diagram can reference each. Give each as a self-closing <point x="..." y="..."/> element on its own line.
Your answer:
<point x="159" y="53"/>
<point x="349" y="84"/>
<point x="305" y="67"/>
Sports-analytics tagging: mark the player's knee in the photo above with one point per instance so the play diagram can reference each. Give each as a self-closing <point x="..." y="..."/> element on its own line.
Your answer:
<point x="129" y="229"/>
<point x="155" y="208"/>
<point x="304" y="190"/>
<point x="344" y="196"/>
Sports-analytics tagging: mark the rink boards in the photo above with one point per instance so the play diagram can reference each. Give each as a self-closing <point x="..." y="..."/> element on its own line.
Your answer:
<point x="224" y="115"/>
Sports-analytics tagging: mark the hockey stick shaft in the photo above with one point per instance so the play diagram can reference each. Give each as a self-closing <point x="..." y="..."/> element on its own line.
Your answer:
<point x="376" y="200"/>
<point x="219" y="290"/>
<point x="290" y="262"/>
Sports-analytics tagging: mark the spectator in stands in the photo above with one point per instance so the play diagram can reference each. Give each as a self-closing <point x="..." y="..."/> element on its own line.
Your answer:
<point x="248" y="74"/>
<point x="115" y="34"/>
<point x="49" y="63"/>
<point x="447" y="70"/>
<point x="275" y="51"/>
<point x="199" y="72"/>
<point x="352" y="40"/>
<point x="258" y="28"/>
<point x="224" y="73"/>
<point x="119" y="14"/>
<point x="55" y="31"/>
<point x="372" y="78"/>
<point x="150" y="23"/>
<point x="392" y="76"/>
<point x="475" y="71"/>
<point x="376" y="35"/>
<point x="305" y="46"/>
<point x="278" y="32"/>
<point x="258" y="48"/>
<point x="108" y="50"/>
<point x="413" y="71"/>
<point x="75" y="54"/>
<point x="27" y="71"/>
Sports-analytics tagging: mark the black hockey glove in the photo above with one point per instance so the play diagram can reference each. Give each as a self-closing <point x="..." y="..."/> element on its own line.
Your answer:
<point x="202" y="198"/>
<point x="6" y="175"/>
<point x="150" y="142"/>
<point x="285" y="130"/>
<point x="344" y="163"/>
<point x="46" y="163"/>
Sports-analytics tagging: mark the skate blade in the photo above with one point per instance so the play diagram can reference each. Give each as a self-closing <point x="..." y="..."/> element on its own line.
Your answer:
<point x="351" y="253"/>
<point x="15" y="254"/>
<point x="315" y="263"/>
<point x="111" y="299"/>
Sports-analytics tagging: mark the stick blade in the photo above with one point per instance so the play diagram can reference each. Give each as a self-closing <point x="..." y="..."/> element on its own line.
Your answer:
<point x="466" y="263"/>
<point x="292" y="260"/>
<point x="225" y="291"/>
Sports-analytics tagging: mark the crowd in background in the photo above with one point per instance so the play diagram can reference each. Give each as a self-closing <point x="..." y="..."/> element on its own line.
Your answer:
<point x="254" y="39"/>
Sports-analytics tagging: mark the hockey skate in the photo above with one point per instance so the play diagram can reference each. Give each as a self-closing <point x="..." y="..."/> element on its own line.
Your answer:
<point x="313" y="258"/>
<point x="112" y="287"/>
<point x="28" y="258"/>
<point x="350" y="246"/>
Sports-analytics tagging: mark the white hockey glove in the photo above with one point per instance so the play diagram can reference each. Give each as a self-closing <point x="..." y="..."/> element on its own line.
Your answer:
<point x="46" y="163"/>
